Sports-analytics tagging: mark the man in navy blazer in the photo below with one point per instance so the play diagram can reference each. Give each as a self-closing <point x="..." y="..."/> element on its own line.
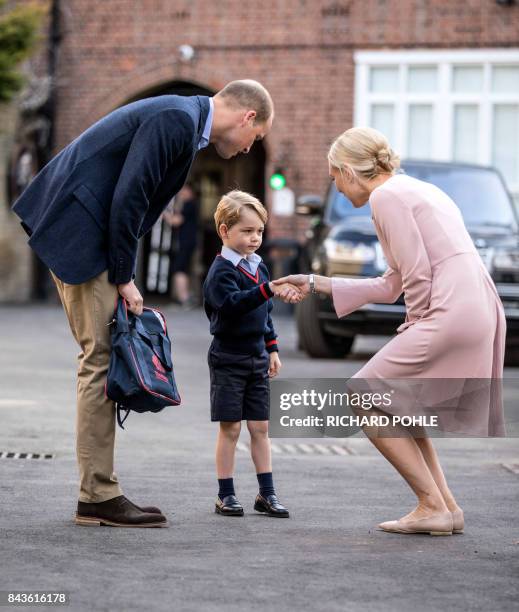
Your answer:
<point x="84" y="214"/>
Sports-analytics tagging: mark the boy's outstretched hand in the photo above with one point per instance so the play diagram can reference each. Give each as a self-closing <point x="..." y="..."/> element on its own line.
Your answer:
<point x="288" y="292"/>
<point x="275" y="364"/>
<point x="299" y="281"/>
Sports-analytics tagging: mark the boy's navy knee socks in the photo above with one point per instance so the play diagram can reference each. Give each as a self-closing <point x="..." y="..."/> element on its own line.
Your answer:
<point x="265" y="481"/>
<point x="266" y="484"/>
<point x="226" y="487"/>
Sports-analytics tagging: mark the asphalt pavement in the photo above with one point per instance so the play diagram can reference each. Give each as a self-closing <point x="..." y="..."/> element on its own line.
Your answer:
<point x="328" y="556"/>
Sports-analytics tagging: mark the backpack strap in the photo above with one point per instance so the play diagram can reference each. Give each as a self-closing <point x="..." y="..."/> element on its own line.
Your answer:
<point x="119" y="420"/>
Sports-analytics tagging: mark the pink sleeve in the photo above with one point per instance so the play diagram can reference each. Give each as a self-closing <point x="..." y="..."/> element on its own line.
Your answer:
<point x="348" y="294"/>
<point x="402" y="236"/>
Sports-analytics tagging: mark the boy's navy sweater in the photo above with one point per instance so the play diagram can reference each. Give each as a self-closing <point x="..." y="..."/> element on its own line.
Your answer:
<point x="238" y="306"/>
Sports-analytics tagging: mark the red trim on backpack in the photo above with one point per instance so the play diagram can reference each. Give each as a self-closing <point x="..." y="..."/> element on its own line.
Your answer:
<point x="173" y="402"/>
<point x="170" y="399"/>
<point x="161" y="377"/>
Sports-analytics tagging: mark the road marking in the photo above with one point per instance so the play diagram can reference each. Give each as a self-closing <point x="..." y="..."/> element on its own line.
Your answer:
<point x="322" y="449"/>
<point x="306" y="448"/>
<point x="340" y="450"/>
<point x="303" y="449"/>
<point x="290" y="448"/>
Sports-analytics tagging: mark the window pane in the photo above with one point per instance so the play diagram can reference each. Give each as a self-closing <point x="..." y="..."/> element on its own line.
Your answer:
<point x="505" y="79"/>
<point x="505" y="140"/>
<point x="465" y="132"/>
<point x="422" y="79"/>
<point x="467" y="79"/>
<point x="383" y="79"/>
<point x="419" y="131"/>
<point x="383" y="119"/>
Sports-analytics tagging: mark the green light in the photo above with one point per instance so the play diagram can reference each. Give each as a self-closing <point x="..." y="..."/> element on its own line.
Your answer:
<point x="277" y="181"/>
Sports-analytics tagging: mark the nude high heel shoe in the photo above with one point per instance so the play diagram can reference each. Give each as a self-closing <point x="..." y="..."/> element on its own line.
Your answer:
<point x="458" y="521"/>
<point x="437" y="525"/>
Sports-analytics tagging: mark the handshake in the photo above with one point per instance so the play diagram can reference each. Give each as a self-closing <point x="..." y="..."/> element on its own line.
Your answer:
<point x="291" y="289"/>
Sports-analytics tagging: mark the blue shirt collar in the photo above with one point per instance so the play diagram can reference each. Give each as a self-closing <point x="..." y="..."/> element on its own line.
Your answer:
<point x="204" y="141"/>
<point x="251" y="262"/>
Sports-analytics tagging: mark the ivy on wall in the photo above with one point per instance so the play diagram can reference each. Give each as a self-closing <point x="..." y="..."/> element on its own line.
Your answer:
<point x="19" y="34"/>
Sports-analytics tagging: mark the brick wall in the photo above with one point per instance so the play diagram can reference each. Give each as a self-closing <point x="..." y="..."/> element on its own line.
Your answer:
<point x="114" y="50"/>
<point x="300" y="49"/>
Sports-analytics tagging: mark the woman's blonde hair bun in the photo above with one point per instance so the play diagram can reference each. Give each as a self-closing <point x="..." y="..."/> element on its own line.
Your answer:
<point x="365" y="151"/>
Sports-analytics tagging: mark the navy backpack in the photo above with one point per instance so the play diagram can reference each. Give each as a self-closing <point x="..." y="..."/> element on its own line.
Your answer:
<point x="140" y="375"/>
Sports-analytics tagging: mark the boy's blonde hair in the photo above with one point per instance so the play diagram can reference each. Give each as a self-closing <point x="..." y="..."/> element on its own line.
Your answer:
<point x="230" y="206"/>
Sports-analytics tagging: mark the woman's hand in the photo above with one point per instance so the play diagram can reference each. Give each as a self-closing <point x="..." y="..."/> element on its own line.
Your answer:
<point x="301" y="281"/>
<point x="323" y="284"/>
<point x="287" y="292"/>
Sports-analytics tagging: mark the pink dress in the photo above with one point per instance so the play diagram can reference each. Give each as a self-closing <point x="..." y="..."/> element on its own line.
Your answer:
<point x="455" y="325"/>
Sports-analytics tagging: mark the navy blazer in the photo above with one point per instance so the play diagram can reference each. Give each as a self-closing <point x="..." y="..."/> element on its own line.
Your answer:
<point x="87" y="208"/>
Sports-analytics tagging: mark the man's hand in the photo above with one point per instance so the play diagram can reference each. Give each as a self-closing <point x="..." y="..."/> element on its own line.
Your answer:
<point x="132" y="295"/>
<point x="275" y="364"/>
<point x="287" y="292"/>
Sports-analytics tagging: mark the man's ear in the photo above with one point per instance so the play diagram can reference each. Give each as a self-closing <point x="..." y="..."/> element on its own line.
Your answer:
<point x="249" y="117"/>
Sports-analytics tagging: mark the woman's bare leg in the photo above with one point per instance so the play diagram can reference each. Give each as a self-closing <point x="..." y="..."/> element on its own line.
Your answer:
<point x="405" y="456"/>
<point x="433" y="463"/>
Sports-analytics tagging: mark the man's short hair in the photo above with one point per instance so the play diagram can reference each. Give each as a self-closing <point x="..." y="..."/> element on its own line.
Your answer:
<point x="230" y="206"/>
<point x="251" y="95"/>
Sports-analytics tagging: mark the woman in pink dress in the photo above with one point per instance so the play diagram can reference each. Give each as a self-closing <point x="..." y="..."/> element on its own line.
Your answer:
<point x="455" y="325"/>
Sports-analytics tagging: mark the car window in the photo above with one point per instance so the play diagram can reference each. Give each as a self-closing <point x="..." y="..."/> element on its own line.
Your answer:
<point x="478" y="192"/>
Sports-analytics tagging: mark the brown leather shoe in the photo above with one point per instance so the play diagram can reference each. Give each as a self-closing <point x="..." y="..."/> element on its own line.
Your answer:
<point x="147" y="509"/>
<point x="117" y="512"/>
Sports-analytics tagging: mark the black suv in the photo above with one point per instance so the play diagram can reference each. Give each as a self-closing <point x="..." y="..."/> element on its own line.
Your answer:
<point x="342" y="242"/>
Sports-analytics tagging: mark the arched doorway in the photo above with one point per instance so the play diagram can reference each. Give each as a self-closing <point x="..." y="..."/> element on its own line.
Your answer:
<point x="211" y="176"/>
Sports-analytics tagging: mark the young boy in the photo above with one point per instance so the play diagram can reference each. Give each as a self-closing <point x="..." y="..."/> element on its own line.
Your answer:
<point x="244" y="351"/>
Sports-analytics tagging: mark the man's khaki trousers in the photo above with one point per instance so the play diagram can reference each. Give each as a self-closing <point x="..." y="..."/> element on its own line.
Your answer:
<point x="89" y="308"/>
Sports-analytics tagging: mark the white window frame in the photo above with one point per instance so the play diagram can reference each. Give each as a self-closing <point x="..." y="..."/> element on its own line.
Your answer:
<point x="443" y="100"/>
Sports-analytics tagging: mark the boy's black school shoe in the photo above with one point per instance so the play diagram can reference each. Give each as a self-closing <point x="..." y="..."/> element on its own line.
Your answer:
<point x="229" y="506"/>
<point x="271" y="506"/>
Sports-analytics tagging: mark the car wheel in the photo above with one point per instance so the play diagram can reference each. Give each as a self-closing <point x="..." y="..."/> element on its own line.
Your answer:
<point x="311" y="337"/>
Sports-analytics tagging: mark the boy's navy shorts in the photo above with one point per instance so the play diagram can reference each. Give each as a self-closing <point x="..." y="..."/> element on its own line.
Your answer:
<point x="239" y="386"/>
